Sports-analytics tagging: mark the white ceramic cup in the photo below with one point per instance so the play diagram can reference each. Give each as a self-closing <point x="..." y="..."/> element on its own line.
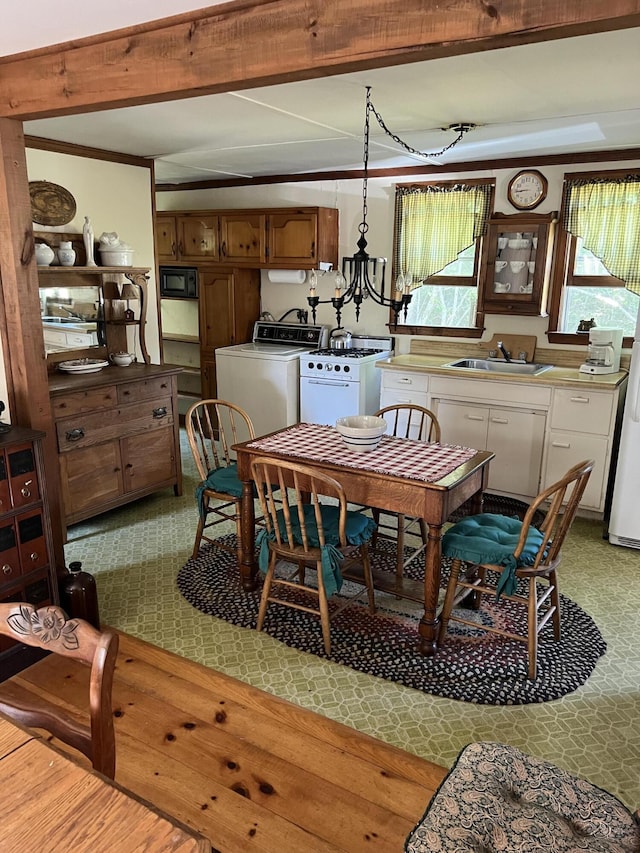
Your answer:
<point x="502" y="286"/>
<point x="526" y="288"/>
<point x="503" y="242"/>
<point x="532" y="266"/>
<point x="121" y="359"/>
<point x="516" y="266"/>
<point x="500" y="265"/>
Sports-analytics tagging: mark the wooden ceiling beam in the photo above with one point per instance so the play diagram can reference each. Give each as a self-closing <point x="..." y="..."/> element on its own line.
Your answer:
<point x="251" y="43"/>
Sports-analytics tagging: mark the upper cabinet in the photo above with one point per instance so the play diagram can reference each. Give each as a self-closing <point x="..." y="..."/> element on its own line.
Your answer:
<point x="187" y="237"/>
<point x="303" y="238"/>
<point x="243" y="238"/>
<point x="516" y="263"/>
<point x="284" y="238"/>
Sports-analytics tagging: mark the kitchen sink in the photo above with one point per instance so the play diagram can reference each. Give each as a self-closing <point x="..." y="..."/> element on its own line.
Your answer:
<point x="64" y="321"/>
<point x="519" y="368"/>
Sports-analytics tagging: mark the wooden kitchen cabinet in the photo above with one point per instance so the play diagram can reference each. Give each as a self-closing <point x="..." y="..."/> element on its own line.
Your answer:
<point x="27" y="572"/>
<point x="229" y="305"/>
<point x="302" y="238"/>
<point x="516" y="263"/>
<point x="192" y="236"/>
<point x="276" y="238"/>
<point x="117" y="437"/>
<point x="243" y="238"/>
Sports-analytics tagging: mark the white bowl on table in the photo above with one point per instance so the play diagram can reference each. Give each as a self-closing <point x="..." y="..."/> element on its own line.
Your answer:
<point x="361" y="433"/>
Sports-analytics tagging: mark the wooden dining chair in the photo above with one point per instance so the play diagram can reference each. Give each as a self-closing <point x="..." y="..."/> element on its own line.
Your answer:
<point x="514" y="554"/>
<point x="213" y="427"/>
<point x="303" y="531"/>
<point x="50" y="628"/>
<point x="405" y="420"/>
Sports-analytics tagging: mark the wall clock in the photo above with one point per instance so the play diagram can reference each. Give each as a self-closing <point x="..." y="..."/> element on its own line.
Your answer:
<point x="527" y="189"/>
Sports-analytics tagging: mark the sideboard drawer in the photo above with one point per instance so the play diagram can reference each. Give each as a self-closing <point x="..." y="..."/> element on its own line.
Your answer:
<point x="94" y="428"/>
<point x="84" y="401"/>
<point x="148" y="389"/>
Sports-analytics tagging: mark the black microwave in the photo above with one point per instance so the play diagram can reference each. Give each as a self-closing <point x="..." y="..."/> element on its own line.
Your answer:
<point x="179" y="282"/>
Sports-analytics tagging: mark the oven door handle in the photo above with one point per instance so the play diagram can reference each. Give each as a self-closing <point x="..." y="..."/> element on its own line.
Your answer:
<point x="329" y="383"/>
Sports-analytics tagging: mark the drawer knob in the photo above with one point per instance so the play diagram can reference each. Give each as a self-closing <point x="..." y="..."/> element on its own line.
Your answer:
<point x="33" y="556"/>
<point x="25" y="492"/>
<point x="75" y="434"/>
<point x="7" y="569"/>
<point x="160" y="412"/>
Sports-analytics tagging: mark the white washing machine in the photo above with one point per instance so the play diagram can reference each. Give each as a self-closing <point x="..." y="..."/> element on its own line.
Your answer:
<point x="263" y="377"/>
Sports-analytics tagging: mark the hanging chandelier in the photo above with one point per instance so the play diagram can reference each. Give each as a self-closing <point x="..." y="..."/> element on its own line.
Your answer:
<point x="362" y="276"/>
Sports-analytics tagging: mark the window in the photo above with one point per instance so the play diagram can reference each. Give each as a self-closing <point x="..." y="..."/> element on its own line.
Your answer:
<point x="598" y="266"/>
<point x="439" y="229"/>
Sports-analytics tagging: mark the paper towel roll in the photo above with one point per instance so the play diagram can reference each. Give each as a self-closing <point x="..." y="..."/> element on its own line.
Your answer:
<point x="287" y="276"/>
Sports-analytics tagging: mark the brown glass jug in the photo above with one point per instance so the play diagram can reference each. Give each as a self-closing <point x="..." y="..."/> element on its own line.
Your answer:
<point x="79" y="596"/>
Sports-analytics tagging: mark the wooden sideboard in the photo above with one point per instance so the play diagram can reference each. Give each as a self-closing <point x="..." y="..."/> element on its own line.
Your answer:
<point x="117" y="435"/>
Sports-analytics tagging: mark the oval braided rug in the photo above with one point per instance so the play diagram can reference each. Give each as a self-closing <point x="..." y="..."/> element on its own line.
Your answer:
<point x="471" y="665"/>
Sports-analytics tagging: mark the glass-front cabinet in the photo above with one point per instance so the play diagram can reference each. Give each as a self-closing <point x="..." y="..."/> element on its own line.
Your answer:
<point x="516" y="263"/>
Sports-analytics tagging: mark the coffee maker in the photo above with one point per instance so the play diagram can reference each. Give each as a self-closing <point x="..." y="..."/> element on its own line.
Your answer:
<point x="603" y="351"/>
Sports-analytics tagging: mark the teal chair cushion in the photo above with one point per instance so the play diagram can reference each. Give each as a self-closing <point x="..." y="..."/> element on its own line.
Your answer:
<point x="492" y="538"/>
<point x="220" y="480"/>
<point x="359" y="529"/>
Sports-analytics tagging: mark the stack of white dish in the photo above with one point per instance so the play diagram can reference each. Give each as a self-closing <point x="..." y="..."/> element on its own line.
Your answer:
<point x="361" y="432"/>
<point x="83" y="365"/>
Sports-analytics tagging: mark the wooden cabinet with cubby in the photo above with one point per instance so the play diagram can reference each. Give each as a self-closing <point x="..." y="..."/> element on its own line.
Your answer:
<point x="516" y="263"/>
<point x="27" y="571"/>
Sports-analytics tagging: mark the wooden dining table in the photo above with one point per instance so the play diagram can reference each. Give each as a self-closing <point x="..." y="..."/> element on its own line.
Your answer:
<point x="49" y="802"/>
<point x="415" y="478"/>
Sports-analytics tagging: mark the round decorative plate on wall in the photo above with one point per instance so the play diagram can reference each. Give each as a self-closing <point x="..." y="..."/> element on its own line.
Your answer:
<point x="51" y="204"/>
<point x="527" y="189"/>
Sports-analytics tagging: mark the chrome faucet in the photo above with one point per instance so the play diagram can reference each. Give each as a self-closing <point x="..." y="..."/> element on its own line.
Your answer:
<point x="504" y="352"/>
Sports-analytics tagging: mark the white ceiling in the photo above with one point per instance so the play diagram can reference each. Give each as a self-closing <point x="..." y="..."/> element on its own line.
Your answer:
<point x="570" y="95"/>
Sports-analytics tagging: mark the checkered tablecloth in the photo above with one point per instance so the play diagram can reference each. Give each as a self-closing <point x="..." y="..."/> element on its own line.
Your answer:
<point x="399" y="457"/>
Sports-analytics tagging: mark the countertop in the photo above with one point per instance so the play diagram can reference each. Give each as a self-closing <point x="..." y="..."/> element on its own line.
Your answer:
<point x="557" y="376"/>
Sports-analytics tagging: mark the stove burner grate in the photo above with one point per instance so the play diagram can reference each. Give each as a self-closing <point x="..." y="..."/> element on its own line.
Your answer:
<point x="345" y="353"/>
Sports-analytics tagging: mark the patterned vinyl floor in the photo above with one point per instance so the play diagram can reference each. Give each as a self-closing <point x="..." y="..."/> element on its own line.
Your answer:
<point x="135" y="553"/>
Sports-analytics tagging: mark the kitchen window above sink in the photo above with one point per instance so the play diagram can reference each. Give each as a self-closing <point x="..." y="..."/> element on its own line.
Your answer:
<point x="517" y="368"/>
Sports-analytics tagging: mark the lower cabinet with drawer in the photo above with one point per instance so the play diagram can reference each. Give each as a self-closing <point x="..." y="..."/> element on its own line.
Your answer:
<point x="118" y="437"/>
<point x="537" y="429"/>
<point x="581" y="426"/>
<point x="403" y="387"/>
<point x="27" y="572"/>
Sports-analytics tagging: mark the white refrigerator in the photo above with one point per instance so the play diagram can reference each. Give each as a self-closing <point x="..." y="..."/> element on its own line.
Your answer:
<point x="624" y="524"/>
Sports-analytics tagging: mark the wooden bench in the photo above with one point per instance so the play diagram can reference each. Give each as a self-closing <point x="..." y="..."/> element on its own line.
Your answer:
<point x="242" y="767"/>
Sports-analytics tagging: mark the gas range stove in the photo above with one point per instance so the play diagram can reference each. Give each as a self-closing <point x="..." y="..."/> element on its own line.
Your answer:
<point x="354" y="352"/>
<point x="339" y="382"/>
<point x="352" y="363"/>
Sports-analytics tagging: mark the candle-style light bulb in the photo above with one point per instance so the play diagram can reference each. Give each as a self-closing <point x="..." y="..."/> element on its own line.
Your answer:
<point x="408" y="281"/>
<point x="340" y="283"/>
<point x="399" y="287"/>
<point x="313" y="282"/>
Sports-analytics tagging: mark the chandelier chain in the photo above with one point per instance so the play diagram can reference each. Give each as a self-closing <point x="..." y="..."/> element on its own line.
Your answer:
<point x="363" y="227"/>
<point x="463" y="129"/>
